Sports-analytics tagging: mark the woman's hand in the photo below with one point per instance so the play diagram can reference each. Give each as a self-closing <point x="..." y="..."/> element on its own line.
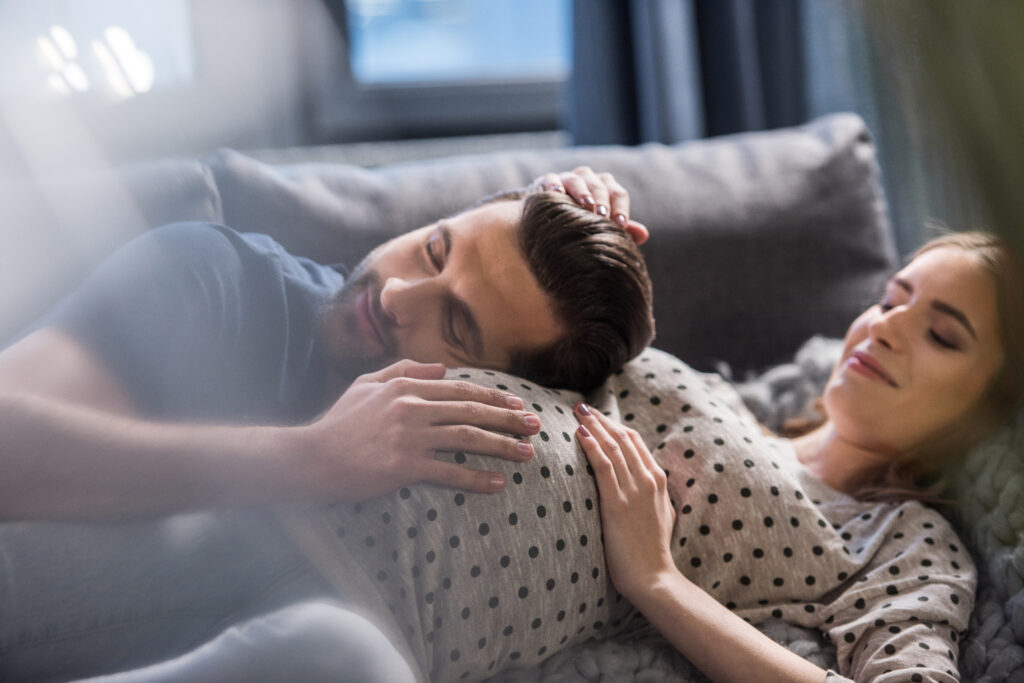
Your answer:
<point x="599" y="192"/>
<point x="636" y="513"/>
<point x="637" y="518"/>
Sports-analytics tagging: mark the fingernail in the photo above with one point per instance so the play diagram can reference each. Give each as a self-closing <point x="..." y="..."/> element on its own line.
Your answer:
<point x="497" y="482"/>
<point x="583" y="432"/>
<point x="620" y="218"/>
<point x="531" y="421"/>
<point x="601" y="210"/>
<point x="525" y="449"/>
<point x="588" y="201"/>
<point x="582" y="408"/>
<point x="557" y="188"/>
<point x="513" y="402"/>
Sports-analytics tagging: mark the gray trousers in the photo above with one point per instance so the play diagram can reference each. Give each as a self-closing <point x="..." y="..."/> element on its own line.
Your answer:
<point x="208" y="596"/>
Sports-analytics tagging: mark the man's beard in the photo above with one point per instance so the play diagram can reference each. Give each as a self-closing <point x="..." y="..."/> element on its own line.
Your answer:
<point x="339" y="333"/>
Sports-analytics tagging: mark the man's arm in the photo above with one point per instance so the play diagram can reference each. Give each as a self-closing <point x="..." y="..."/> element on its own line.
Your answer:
<point x="73" y="445"/>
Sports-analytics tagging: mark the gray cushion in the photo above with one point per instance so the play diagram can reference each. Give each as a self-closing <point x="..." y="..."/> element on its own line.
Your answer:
<point x="758" y="240"/>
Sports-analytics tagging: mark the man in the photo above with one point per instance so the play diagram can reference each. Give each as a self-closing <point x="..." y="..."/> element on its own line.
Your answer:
<point x="201" y="368"/>
<point x="199" y="325"/>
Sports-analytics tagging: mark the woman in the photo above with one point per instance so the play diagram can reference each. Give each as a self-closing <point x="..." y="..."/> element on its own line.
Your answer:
<point x="923" y="375"/>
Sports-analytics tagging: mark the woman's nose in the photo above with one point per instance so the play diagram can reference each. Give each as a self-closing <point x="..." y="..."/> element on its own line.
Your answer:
<point x="886" y="328"/>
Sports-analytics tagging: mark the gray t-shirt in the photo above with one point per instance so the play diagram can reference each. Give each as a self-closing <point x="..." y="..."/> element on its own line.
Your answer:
<point x="201" y="322"/>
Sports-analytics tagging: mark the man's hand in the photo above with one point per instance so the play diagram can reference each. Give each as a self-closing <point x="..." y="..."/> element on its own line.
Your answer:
<point x="385" y="429"/>
<point x="599" y="192"/>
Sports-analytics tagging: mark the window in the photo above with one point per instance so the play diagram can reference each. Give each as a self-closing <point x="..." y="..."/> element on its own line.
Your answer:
<point x="423" y="68"/>
<point x="454" y="40"/>
<point x="111" y="48"/>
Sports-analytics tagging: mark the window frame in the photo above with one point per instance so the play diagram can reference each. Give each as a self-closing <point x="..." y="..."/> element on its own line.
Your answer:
<point x="344" y="110"/>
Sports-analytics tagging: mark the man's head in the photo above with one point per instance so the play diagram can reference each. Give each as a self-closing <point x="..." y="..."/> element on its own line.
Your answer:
<point x="536" y="286"/>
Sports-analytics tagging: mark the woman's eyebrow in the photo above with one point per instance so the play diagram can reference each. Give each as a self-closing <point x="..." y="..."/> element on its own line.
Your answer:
<point x="941" y="307"/>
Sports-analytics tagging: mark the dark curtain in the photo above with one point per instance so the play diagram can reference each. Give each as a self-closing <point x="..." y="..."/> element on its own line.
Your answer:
<point x="672" y="70"/>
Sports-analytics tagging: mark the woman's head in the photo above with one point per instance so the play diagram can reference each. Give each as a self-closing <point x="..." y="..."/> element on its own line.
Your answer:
<point x="937" y="363"/>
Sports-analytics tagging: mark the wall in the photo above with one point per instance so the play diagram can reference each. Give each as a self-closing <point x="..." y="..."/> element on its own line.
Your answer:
<point x="249" y="91"/>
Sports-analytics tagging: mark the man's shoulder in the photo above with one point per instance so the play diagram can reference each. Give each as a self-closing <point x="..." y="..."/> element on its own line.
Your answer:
<point x="208" y="239"/>
<point x="199" y="248"/>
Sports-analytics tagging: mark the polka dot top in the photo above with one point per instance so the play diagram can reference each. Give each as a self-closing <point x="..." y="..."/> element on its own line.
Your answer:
<point x="470" y="584"/>
<point x="890" y="585"/>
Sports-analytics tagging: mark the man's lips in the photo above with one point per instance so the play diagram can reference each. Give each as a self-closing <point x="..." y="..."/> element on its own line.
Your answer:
<point x="368" y="322"/>
<point x="867" y="365"/>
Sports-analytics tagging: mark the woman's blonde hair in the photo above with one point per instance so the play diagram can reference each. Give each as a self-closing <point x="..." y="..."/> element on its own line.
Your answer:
<point x="922" y="473"/>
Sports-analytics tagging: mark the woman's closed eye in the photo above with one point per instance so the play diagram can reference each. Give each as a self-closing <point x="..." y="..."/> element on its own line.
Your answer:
<point x="943" y="341"/>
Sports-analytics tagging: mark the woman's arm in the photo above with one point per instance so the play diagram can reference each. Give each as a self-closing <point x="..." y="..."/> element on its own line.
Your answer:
<point x="637" y="518"/>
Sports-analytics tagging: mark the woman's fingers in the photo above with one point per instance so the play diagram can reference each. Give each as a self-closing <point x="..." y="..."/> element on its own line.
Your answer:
<point x="646" y="458"/>
<point x="634" y="462"/>
<point x="598" y="192"/>
<point x="618" y="198"/>
<point x="577" y="187"/>
<point x="607" y="447"/>
<point x="638" y="231"/>
<point x="549" y="182"/>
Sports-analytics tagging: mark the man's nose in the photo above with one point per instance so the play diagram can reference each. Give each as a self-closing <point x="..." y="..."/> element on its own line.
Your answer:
<point x="403" y="300"/>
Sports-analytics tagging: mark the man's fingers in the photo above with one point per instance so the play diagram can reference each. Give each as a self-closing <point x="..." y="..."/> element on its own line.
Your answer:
<point x="458" y="390"/>
<point x="405" y="368"/>
<point x="480" y="441"/>
<point x="456" y="476"/>
<point x="425" y="371"/>
<point x="483" y="416"/>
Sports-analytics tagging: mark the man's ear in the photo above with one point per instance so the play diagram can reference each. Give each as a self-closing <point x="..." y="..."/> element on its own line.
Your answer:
<point x="638" y="231"/>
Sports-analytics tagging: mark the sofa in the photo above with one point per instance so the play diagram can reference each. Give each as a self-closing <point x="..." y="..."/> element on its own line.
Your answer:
<point x="759" y="243"/>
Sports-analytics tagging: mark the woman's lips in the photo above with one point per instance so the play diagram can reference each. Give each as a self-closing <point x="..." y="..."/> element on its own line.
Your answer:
<point x="864" y="364"/>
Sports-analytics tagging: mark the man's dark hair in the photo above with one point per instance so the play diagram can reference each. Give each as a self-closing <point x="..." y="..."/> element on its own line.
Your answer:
<point x="596" y="279"/>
